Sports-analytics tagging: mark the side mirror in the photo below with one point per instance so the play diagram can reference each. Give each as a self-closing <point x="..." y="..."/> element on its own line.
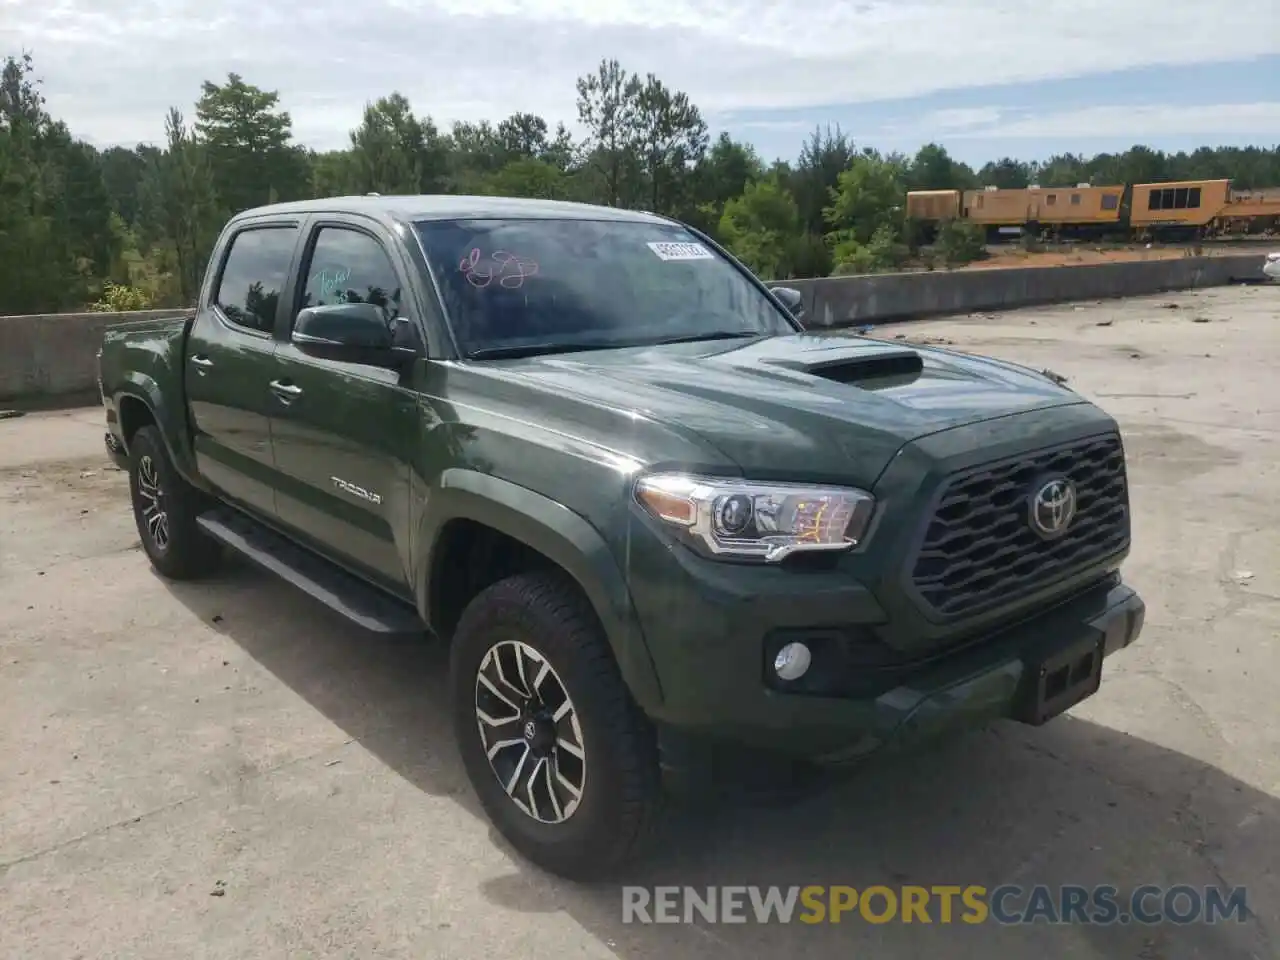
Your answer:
<point x="792" y="299"/>
<point x="350" y="333"/>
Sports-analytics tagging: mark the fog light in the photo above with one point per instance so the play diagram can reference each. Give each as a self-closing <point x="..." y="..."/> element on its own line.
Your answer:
<point x="792" y="661"/>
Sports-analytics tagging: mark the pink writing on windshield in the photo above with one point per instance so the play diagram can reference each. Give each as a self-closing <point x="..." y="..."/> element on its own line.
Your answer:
<point x="508" y="269"/>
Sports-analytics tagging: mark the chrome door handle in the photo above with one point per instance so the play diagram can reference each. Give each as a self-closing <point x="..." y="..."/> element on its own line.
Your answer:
<point x="201" y="361"/>
<point x="289" y="390"/>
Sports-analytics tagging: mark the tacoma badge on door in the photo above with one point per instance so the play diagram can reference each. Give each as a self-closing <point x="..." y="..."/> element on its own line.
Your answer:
<point x="355" y="491"/>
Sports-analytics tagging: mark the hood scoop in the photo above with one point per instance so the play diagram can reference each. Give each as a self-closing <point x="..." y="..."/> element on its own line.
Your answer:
<point x="871" y="370"/>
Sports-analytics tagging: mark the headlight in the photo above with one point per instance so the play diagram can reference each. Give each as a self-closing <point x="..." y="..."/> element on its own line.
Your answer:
<point x="769" y="521"/>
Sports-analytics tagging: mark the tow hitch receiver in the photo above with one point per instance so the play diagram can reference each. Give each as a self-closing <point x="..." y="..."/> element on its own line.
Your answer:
<point x="1058" y="683"/>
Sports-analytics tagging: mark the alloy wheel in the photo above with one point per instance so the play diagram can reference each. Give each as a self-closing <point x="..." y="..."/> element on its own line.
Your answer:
<point x="530" y="732"/>
<point x="154" y="514"/>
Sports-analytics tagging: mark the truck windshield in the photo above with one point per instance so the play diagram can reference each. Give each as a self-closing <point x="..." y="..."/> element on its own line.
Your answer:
<point x="516" y="287"/>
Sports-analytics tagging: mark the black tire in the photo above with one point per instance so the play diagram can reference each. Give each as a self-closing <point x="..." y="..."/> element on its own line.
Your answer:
<point x="165" y="508"/>
<point x="621" y="796"/>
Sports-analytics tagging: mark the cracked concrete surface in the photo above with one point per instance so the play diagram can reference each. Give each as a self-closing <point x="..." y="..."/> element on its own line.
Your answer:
<point x="225" y="770"/>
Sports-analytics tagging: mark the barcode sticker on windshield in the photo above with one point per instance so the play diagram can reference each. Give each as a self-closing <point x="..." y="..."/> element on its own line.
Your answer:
<point x="681" y="251"/>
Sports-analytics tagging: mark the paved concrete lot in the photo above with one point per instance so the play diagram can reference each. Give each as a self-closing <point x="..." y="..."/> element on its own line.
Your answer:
<point x="226" y="771"/>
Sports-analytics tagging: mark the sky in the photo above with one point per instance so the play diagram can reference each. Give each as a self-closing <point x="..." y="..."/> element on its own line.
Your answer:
<point x="987" y="78"/>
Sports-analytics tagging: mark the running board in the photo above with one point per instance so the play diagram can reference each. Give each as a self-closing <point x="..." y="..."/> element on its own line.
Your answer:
<point x="362" y="604"/>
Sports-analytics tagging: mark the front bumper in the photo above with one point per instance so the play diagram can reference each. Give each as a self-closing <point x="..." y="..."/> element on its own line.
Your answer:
<point x="1003" y="678"/>
<point x="717" y="691"/>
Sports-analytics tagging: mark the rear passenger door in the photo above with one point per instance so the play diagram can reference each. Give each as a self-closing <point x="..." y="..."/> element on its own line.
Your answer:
<point x="345" y="434"/>
<point x="230" y="362"/>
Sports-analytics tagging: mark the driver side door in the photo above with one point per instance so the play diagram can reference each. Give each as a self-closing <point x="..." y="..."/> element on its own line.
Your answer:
<point x="345" y="434"/>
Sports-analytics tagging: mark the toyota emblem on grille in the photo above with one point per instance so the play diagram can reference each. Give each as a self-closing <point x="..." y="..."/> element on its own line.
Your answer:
<point x="1053" y="507"/>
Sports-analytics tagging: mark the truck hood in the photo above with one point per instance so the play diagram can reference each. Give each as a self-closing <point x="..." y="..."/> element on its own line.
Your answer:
<point x="826" y="406"/>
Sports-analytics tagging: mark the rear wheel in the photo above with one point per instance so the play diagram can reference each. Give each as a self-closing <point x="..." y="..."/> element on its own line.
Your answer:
<point x="165" y="508"/>
<point x="563" y="761"/>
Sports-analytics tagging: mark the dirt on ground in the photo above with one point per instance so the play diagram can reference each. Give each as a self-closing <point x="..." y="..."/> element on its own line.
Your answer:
<point x="1003" y="257"/>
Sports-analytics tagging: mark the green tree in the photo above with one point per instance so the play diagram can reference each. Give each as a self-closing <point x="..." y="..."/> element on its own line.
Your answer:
<point x="331" y="173"/>
<point x="760" y="228"/>
<point x="1006" y="173"/>
<point x="866" y="212"/>
<point x="475" y="152"/>
<point x="671" y="138"/>
<point x="394" y="152"/>
<point x="21" y="102"/>
<point x="249" y="139"/>
<point x="122" y="173"/>
<point x="31" y="274"/>
<point x="726" y="170"/>
<point x="961" y="242"/>
<point x="816" y="173"/>
<point x="609" y="107"/>
<point x="81" y="206"/>
<point x="560" y="151"/>
<point x="181" y="197"/>
<point x="880" y="253"/>
<point x="528" y="177"/>
<point x="1063" y="170"/>
<point x="721" y="175"/>
<point x="933" y="168"/>
<point x="823" y="157"/>
<point x="123" y="226"/>
<point x="1141" y="164"/>
<point x="523" y="135"/>
<point x="56" y="241"/>
<point x="869" y="195"/>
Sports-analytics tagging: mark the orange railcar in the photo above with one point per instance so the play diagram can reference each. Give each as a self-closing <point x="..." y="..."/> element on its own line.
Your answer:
<point x="930" y="206"/>
<point x="1198" y="205"/>
<point x="1048" y="206"/>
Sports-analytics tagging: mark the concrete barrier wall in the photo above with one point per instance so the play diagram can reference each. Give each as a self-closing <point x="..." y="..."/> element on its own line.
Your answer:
<point x="844" y="301"/>
<point x="46" y="357"/>
<point x="51" y="355"/>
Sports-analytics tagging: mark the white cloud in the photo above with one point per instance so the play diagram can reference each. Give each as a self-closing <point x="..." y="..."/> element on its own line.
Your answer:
<point x="805" y="125"/>
<point x="112" y="70"/>
<point x="960" y="118"/>
<point x="1260" y="120"/>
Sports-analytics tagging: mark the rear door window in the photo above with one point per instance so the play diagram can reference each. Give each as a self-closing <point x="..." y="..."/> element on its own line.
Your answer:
<point x="254" y="276"/>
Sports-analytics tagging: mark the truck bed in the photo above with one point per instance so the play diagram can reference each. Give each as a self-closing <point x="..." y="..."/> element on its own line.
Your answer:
<point x="143" y="348"/>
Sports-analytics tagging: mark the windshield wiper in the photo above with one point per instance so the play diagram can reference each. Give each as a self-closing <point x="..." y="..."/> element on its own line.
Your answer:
<point x="516" y="350"/>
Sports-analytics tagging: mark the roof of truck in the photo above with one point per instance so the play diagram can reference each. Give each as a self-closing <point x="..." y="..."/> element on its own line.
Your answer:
<point x="448" y="207"/>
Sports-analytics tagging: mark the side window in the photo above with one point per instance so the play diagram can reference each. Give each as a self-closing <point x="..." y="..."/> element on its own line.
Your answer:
<point x="351" y="267"/>
<point x="1110" y="201"/>
<point x="254" y="276"/>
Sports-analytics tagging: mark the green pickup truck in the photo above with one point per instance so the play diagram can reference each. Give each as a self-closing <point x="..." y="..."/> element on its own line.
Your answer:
<point x="658" y="523"/>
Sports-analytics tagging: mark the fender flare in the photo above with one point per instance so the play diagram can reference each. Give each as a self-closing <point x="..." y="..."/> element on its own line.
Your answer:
<point x="559" y="534"/>
<point x="172" y="424"/>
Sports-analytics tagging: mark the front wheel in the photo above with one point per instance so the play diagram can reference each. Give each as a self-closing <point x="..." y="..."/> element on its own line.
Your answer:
<point x="563" y="761"/>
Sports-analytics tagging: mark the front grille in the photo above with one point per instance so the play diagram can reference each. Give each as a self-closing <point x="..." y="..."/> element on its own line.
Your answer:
<point x="980" y="549"/>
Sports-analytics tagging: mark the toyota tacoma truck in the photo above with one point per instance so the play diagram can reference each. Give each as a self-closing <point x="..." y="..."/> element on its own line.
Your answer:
<point x="656" y="520"/>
